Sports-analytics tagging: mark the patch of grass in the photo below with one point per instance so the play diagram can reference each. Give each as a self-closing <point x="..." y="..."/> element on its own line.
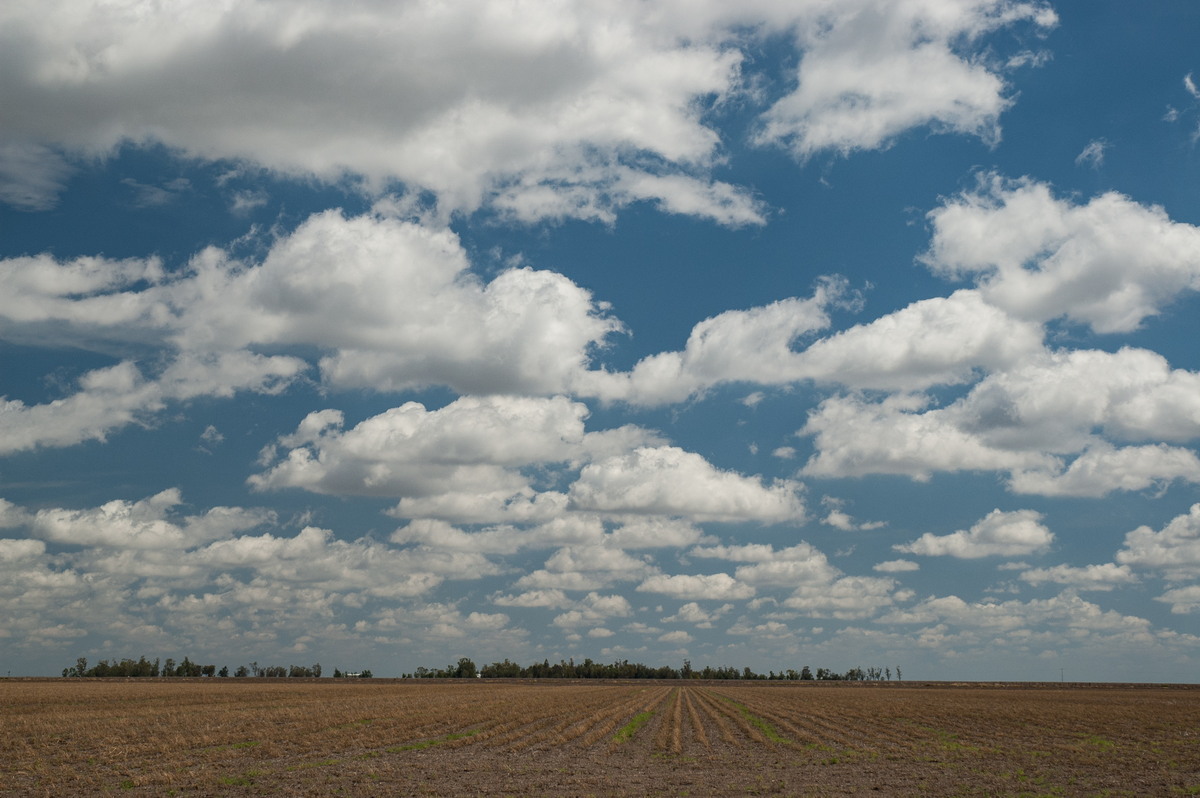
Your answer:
<point x="950" y="743"/>
<point x="1099" y="742"/>
<point x="354" y="723"/>
<point x="244" y="780"/>
<point x="423" y="744"/>
<point x="769" y="731"/>
<point x="666" y="755"/>
<point x="947" y="740"/>
<point x="232" y="746"/>
<point x="626" y="732"/>
<point x="318" y="764"/>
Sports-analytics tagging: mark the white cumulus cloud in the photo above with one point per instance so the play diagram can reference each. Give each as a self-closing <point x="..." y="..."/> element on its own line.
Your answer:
<point x="1173" y="550"/>
<point x="538" y="110"/>
<point x="667" y="480"/>
<point x="1109" y="264"/>
<point x="1105" y="576"/>
<point x="872" y="70"/>
<point x="998" y="534"/>
<point x="714" y="587"/>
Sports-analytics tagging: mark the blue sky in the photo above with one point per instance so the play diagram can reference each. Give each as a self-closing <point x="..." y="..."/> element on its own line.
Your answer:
<point x="381" y="334"/>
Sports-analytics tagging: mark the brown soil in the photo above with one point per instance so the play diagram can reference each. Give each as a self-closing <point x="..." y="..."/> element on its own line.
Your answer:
<point x="378" y="737"/>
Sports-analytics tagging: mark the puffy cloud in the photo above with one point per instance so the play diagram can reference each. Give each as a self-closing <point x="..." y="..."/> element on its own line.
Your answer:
<point x="117" y="396"/>
<point x="752" y="345"/>
<point x="751" y="552"/>
<point x="651" y="533"/>
<point x="1066" y="614"/>
<point x="943" y="340"/>
<point x="819" y="589"/>
<point x="390" y="304"/>
<point x="15" y="550"/>
<point x="144" y="524"/>
<point x="145" y="571"/>
<point x="97" y="295"/>
<point x="396" y="306"/>
<point x="585" y="567"/>
<point x="511" y="505"/>
<point x="896" y="567"/>
<point x="1102" y="469"/>
<point x="840" y="519"/>
<point x="128" y="564"/>
<point x="933" y="341"/>
<point x="441" y="622"/>
<point x="1022" y="420"/>
<point x="505" y="539"/>
<point x="854" y="437"/>
<point x="1183" y="600"/>
<point x="473" y="444"/>
<point x="132" y="539"/>
<point x="593" y="558"/>
<point x="465" y="461"/>
<point x="669" y="481"/>
<point x="1105" y="576"/>
<point x="771" y="630"/>
<point x="594" y="609"/>
<point x="36" y="594"/>
<point x="315" y="558"/>
<point x="712" y="587"/>
<point x="12" y="516"/>
<point x="540" y="110"/>
<point x="846" y="598"/>
<point x="998" y="534"/>
<point x="796" y="565"/>
<point x="553" y="599"/>
<point x="1058" y="398"/>
<point x="872" y="70"/>
<point x="570" y="110"/>
<point x="693" y="613"/>
<point x="1174" y="550"/>
<point x="1109" y="264"/>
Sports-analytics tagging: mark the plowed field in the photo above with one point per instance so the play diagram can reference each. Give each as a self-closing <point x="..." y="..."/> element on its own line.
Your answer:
<point x="378" y="737"/>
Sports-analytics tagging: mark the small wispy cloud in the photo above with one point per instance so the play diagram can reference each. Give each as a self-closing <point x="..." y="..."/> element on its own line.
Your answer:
<point x="1093" y="154"/>
<point x="148" y="196"/>
<point x="1190" y="85"/>
<point x="211" y="437"/>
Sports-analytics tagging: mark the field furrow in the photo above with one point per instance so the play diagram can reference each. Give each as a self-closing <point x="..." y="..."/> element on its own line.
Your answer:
<point x="806" y="724"/>
<point x="695" y="725"/>
<point x="669" y="736"/>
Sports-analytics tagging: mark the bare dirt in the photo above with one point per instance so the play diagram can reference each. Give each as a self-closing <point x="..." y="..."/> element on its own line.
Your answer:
<point x="379" y="737"/>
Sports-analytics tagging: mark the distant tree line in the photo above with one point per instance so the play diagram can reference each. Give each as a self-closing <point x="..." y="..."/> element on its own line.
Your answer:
<point x="465" y="668"/>
<point x="169" y="668"/>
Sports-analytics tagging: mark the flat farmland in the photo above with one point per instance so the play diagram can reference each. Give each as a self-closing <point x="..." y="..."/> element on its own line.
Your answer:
<point x="68" y="737"/>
